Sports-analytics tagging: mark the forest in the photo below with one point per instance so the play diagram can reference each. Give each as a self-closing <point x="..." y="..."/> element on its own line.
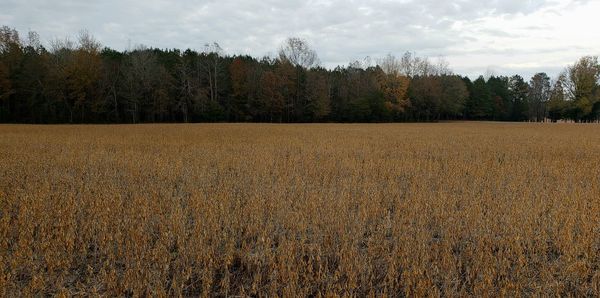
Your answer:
<point x="80" y="81"/>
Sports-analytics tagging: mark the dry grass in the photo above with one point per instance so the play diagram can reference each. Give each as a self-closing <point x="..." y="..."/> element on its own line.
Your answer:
<point x="457" y="209"/>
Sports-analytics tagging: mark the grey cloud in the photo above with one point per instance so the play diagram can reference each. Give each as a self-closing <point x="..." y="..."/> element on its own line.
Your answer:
<point x="339" y="30"/>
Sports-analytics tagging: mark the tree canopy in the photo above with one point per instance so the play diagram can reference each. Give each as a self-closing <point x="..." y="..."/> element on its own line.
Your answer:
<point x="79" y="81"/>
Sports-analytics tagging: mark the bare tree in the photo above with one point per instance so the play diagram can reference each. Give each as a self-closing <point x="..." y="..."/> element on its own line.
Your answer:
<point x="411" y="66"/>
<point x="212" y="67"/>
<point x="188" y="86"/>
<point x="442" y="67"/>
<point x="362" y="64"/>
<point x="9" y="39"/>
<point x="390" y="65"/>
<point x="88" y="43"/>
<point x="33" y="41"/>
<point x="298" y="52"/>
<point x="407" y="64"/>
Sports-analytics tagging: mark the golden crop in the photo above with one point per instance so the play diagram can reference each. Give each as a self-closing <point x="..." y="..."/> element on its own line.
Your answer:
<point x="458" y="209"/>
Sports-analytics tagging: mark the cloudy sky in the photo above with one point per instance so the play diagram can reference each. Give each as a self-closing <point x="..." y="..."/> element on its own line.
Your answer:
<point x="476" y="37"/>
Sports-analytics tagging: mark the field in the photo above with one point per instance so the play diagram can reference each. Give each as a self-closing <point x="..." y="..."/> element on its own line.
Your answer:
<point x="451" y="209"/>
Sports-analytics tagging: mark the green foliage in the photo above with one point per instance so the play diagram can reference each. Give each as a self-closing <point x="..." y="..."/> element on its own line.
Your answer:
<point x="518" y="91"/>
<point x="500" y="97"/>
<point x="480" y="103"/>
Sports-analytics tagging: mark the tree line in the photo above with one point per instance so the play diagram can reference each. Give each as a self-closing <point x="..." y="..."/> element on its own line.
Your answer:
<point x="82" y="82"/>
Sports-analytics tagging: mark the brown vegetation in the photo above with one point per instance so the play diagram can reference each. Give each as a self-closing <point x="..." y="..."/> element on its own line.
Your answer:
<point x="457" y="209"/>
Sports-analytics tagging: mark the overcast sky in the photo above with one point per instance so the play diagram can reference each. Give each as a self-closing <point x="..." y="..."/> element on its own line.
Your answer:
<point x="498" y="36"/>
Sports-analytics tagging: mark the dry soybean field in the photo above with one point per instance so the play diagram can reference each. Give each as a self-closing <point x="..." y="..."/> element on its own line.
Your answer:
<point x="448" y="209"/>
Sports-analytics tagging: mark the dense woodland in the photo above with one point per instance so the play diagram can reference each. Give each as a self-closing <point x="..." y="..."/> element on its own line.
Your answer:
<point x="82" y="82"/>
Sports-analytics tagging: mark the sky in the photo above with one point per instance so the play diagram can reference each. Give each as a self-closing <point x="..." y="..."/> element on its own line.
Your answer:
<point x="500" y="37"/>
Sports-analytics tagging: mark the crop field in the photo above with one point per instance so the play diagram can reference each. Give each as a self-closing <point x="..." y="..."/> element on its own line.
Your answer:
<point x="448" y="209"/>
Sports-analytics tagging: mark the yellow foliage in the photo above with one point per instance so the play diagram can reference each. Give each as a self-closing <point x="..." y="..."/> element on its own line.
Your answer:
<point x="395" y="91"/>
